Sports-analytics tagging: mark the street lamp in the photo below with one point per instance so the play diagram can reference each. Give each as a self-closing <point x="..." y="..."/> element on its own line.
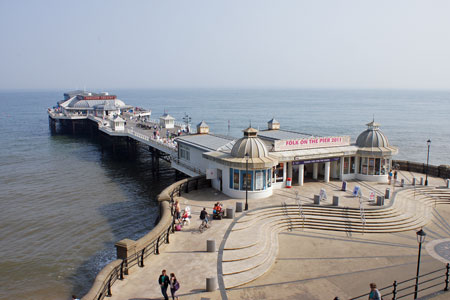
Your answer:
<point x="420" y="239"/>
<point x="428" y="158"/>
<point x="246" y="180"/>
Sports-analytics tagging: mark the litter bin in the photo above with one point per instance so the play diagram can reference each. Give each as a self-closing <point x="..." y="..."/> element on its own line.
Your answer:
<point x="211" y="284"/>
<point x="387" y="193"/>
<point x="448" y="183"/>
<point x="317" y="199"/>
<point x="211" y="246"/>
<point x="238" y="206"/>
<point x="335" y="200"/>
<point x="414" y="181"/>
<point x="421" y="180"/>
<point x="230" y="212"/>
<point x="380" y="200"/>
<point x="402" y="182"/>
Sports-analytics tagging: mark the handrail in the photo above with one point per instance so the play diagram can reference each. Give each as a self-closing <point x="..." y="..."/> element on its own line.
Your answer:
<point x="405" y="285"/>
<point x="144" y="247"/>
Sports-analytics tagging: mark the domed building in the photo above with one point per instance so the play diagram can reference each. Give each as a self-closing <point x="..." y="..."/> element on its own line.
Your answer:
<point x="241" y="162"/>
<point x="374" y="155"/>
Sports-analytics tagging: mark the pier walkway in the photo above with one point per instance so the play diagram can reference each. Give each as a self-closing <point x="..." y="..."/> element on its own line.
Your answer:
<point x="272" y="252"/>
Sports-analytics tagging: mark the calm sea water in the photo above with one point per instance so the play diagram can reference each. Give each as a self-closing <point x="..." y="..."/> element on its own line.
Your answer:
<point x="64" y="204"/>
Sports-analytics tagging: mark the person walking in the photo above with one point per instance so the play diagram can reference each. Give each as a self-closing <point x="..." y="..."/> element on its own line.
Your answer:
<point x="390" y="177"/>
<point x="395" y="176"/>
<point x="374" y="293"/>
<point x="174" y="285"/>
<point x="164" y="283"/>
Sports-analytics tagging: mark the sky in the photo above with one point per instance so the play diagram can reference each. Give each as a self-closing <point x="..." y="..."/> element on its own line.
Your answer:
<point x="401" y="44"/>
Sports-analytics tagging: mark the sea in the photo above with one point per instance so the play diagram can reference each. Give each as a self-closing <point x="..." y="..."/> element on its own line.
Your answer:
<point x="64" y="204"/>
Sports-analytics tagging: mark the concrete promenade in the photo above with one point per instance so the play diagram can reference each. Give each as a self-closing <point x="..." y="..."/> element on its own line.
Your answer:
<point x="307" y="263"/>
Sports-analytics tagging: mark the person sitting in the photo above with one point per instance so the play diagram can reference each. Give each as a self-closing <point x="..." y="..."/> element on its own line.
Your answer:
<point x="185" y="219"/>
<point x="218" y="211"/>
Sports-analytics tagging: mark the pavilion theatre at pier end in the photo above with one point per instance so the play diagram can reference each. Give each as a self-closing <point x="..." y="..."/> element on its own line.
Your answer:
<point x="274" y="158"/>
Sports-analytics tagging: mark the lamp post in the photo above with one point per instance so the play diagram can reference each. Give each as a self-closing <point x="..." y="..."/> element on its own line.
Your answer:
<point x="246" y="180"/>
<point x="428" y="158"/>
<point x="420" y="239"/>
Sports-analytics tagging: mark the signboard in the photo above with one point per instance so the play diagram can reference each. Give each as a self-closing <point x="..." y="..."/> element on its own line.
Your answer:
<point x="311" y="161"/>
<point x="211" y="173"/>
<point x="372" y="196"/>
<point x="357" y="191"/>
<point x="313" y="142"/>
<point x="323" y="194"/>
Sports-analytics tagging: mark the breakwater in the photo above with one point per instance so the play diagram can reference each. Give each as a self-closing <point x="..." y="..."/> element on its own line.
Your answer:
<point x="132" y="254"/>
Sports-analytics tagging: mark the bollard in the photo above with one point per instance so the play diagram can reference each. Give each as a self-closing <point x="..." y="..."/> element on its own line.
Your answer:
<point x="387" y="194"/>
<point x="344" y="186"/>
<point x="335" y="200"/>
<point x="380" y="200"/>
<point x="402" y="183"/>
<point x="238" y="207"/>
<point x="448" y="183"/>
<point x="211" y="246"/>
<point x="317" y="199"/>
<point x="211" y="284"/>
<point x="414" y="181"/>
<point x="421" y="180"/>
<point x="230" y="212"/>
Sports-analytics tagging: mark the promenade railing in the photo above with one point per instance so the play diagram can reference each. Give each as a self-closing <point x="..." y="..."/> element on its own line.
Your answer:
<point x="406" y="288"/>
<point x="151" y="244"/>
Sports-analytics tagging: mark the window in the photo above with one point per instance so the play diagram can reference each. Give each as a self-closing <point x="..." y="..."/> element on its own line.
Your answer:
<point x="236" y="179"/>
<point x="371" y="166"/>
<point x="184" y="152"/>
<point x="352" y="165"/>
<point x="377" y="166"/>
<point x="247" y="177"/>
<point x="279" y="172"/>
<point x="259" y="180"/>
<point x="363" y="169"/>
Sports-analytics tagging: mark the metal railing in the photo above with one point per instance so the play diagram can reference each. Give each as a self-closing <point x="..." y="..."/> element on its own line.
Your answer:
<point x="402" y="289"/>
<point x="152" y="248"/>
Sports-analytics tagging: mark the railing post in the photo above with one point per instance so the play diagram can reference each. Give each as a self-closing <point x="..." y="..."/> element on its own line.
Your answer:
<point x="446" y="277"/>
<point x="394" y="291"/>
<point x="157" y="245"/>
<point x="142" y="257"/>
<point x="167" y="238"/>
<point x="196" y="184"/>
<point x="109" y="294"/>
<point x="187" y="187"/>
<point x="121" y="270"/>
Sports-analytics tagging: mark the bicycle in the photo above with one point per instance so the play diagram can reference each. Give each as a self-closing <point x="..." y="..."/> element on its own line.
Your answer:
<point x="205" y="225"/>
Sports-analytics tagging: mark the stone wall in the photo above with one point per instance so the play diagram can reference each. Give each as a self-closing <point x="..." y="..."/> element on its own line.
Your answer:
<point x="442" y="171"/>
<point x="127" y="248"/>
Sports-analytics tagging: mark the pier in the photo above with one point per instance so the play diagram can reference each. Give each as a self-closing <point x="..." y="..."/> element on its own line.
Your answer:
<point x="120" y="125"/>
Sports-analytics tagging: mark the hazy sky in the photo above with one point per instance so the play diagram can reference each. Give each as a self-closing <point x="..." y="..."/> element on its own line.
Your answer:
<point x="269" y="44"/>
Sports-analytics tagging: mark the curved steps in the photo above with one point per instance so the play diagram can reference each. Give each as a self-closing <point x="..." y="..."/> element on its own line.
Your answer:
<point x="252" y="245"/>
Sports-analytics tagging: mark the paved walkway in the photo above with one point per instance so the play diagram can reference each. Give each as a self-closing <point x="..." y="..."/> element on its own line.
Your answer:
<point x="311" y="264"/>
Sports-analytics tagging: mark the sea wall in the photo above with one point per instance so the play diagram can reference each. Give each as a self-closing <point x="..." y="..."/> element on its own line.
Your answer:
<point x="130" y="253"/>
<point x="442" y="171"/>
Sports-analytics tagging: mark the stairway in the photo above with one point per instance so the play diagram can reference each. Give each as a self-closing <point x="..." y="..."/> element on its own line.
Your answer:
<point x="252" y="246"/>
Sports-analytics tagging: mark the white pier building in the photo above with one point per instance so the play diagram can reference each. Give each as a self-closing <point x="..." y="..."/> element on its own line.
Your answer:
<point x="276" y="158"/>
